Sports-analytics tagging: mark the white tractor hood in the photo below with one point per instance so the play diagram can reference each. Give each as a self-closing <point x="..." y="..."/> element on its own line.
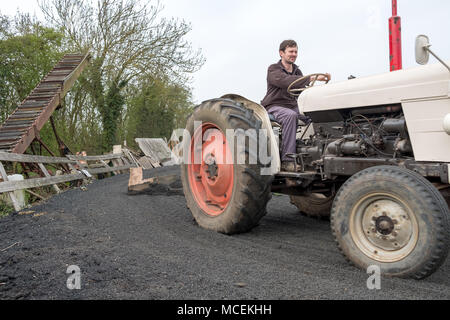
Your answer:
<point x="423" y="82"/>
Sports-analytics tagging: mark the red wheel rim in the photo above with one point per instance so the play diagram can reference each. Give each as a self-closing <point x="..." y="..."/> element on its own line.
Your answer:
<point x="211" y="171"/>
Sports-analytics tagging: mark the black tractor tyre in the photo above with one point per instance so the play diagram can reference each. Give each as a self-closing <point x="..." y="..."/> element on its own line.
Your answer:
<point x="313" y="205"/>
<point x="446" y="194"/>
<point x="251" y="190"/>
<point x="393" y="218"/>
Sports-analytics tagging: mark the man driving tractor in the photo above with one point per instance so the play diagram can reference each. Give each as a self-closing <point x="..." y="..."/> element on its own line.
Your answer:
<point x="283" y="105"/>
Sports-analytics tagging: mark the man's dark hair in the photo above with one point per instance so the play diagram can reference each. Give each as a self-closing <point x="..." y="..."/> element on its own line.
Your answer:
<point x="287" y="43"/>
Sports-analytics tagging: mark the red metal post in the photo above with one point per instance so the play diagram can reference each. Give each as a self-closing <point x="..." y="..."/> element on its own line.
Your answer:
<point x="395" y="39"/>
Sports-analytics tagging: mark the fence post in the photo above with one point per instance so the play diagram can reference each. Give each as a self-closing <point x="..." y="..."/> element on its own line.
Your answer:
<point x="47" y="174"/>
<point x="11" y="194"/>
<point x="117" y="149"/>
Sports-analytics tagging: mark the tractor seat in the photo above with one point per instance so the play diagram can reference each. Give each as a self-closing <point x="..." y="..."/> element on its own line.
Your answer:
<point x="272" y="118"/>
<point x="273" y="121"/>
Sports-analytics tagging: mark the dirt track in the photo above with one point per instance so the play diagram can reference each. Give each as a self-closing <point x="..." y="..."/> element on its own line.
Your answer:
<point x="149" y="247"/>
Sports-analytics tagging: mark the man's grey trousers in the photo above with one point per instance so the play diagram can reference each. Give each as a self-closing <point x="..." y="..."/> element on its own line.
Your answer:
<point x="287" y="117"/>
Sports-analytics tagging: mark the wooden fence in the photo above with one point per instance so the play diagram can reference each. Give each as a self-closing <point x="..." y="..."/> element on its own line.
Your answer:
<point x="78" y="167"/>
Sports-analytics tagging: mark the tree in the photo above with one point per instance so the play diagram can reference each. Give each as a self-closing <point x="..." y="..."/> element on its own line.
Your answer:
<point x="157" y="109"/>
<point x="4" y="26"/>
<point x="28" y="51"/>
<point x="128" y="40"/>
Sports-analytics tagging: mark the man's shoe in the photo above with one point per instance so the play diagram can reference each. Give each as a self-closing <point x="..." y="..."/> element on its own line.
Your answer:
<point x="289" y="166"/>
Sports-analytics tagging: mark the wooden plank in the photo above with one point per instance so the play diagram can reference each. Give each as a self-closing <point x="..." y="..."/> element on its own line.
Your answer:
<point x="73" y="76"/>
<point x="9" y="139"/>
<point x="14" y="157"/>
<point x="26" y="113"/>
<point x="104" y="164"/>
<point x="47" y="87"/>
<point x="14" y="122"/>
<point x="71" y="167"/>
<point x="10" y="134"/>
<point x="55" y="78"/>
<point x="11" y="127"/>
<point x="130" y="156"/>
<point x="47" y="174"/>
<point x="8" y="144"/>
<point x="94" y="158"/>
<point x="8" y="186"/>
<point x="145" y="162"/>
<point x="105" y="170"/>
<point x="23" y="117"/>
<point x="40" y="96"/>
<point x="33" y="103"/>
<point x="28" y="108"/>
<point x="54" y="90"/>
<point x="55" y="83"/>
<point x="36" y="195"/>
<point x="117" y="163"/>
<point x="60" y="72"/>
<point x="11" y="194"/>
<point x="63" y="69"/>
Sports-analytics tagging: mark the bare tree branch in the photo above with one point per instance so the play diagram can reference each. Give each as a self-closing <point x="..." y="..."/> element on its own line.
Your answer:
<point x="128" y="36"/>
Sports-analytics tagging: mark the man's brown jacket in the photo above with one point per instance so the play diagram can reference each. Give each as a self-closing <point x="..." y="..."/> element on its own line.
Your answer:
<point x="278" y="80"/>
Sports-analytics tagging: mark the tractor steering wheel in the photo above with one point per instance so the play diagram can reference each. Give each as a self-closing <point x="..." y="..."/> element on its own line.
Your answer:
<point x="296" y="92"/>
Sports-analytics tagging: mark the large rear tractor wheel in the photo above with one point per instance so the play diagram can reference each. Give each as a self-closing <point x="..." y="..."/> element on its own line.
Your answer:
<point x="222" y="181"/>
<point x="393" y="218"/>
<point x="314" y="205"/>
<point x="446" y="194"/>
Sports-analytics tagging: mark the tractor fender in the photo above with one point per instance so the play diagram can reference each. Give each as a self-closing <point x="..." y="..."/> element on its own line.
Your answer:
<point x="261" y="114"/>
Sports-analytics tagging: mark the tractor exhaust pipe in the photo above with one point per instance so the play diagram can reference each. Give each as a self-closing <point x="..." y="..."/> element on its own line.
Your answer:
<point x="395" y="39"/>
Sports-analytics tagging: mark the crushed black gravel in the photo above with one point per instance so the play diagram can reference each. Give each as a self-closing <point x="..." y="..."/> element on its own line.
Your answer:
<point x="149" y="247"/>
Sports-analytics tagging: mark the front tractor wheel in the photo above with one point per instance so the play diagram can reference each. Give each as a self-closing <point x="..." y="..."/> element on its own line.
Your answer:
<point x="393" y="218"/>
<point x="223" y="194"/>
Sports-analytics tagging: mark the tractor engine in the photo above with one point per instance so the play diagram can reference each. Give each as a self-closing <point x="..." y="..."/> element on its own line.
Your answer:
<point x="375" y="132"/>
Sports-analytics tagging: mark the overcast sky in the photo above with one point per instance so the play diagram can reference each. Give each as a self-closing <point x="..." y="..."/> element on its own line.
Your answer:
<point x="240" y="38"/>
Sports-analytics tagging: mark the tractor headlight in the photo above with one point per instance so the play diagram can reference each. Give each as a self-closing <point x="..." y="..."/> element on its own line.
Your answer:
<point x="446" y="124"/>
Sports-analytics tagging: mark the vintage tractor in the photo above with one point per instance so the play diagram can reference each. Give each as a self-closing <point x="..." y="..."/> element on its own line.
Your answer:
<point x="376" y="158"/>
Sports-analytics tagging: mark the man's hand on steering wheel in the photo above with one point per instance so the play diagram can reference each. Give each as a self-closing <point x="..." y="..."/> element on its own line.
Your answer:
<point x="321" y="77"/>
<point x="312" y="79"/>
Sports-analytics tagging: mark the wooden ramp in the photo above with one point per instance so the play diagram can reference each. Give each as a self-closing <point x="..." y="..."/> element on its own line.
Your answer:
<point x="24" y="124"/>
